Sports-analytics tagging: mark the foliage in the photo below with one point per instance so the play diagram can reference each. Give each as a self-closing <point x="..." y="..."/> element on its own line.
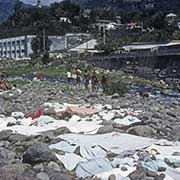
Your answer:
<point x="116" y="85"/>
<point x="37" y="45"/>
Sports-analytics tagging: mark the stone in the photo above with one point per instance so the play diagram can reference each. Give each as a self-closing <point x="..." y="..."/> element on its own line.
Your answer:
<point x="145" y="131"/>
<point x="160" y="177"/>
<point x="9" y="124"/>
<point x="136" y="175"/>
<point x="17" y="137"/>
<point x="93" y="95"/>
<point x="123" y="168"/>
<point x="60" y="176"/>
<point x="54" y="166"/>
<point x="6" y="156"/>
<point x="115" y="96"/>
<point x="8" y="175"/>
<point x="37" y="153"/>
<point x="155" y="108"/>
<point x="42" y="176"/>
<point x="61" y="130"/>
<point x="172" y="114"/>
<point x="150" y="173"/>
<point x="49" y="112"/>
<point x="18" y="168"/>
<point x="105" y="129"/>
<point x="4" y="135"/>
<point x="47" y="136"/>
<point x="176" y="133"/>
<point x="112" y="177"/>
<point x="38" y="167"/>
<point x="161" y="169"/>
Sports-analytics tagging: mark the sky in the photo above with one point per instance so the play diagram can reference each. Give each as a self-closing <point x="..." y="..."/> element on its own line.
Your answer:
<point x="44" y="2"/>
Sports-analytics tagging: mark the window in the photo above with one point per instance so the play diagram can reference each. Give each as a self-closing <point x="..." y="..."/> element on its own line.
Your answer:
<point x="23" y="42"/>
<point x="18" y="43"/>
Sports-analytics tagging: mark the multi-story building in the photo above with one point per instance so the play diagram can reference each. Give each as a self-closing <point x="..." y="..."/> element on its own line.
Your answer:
<point x="20" y="47"/>
<point x="16" y="47"/>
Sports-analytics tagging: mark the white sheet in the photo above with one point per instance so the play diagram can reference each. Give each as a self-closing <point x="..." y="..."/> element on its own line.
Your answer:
<point x="114" y="142"/>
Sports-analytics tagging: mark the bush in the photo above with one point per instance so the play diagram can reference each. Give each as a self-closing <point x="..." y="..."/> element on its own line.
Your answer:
<point x="45" y="59"/>
<point x="116" y="86"/>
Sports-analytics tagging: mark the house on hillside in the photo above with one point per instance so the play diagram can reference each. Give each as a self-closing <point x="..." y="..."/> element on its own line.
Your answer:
<point x="171" y="19"/>
<point x="65" y="20"/>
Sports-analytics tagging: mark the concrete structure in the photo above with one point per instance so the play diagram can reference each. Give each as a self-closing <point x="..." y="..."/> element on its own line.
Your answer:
<point x="20" y="47"/>
<point x="16" y="47"/>
<point x="89" y="45"/>
<point x="145" y="47"/>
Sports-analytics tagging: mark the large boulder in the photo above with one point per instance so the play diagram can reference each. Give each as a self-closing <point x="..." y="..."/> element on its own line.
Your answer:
<point x="8" y="175"/>
<point x="19" y="169"/>
<point x="176" y="133"/>
<point x="105" y="129"/>
<point x="4" y="135"/>
<point x="145" y="131"/>
<point x="6" y="156"/>
<point x="37" y="153"/>
<point x="17" y="137"/>
<point x="59" y="176"/>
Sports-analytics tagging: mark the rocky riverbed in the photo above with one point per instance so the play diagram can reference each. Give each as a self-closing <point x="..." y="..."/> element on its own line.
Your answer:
<point x="103" y="137"/>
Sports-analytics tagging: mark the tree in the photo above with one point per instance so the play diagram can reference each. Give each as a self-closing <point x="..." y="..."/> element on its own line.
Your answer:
<point x="38" y="46"/>
<point x="18" y="6"/>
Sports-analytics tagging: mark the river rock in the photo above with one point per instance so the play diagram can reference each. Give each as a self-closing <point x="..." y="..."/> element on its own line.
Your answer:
<point x="105" y="129"/>
<point x="17" y="137"/>
<point x="37" y="153"/>
<point x="6" y="175"/>
<point x="115" y="96"/>
<point x="42" y="176"/>
<point x="54" y="166"/>
<point x="6" y="156"/>
<point x="4" y="135"/>
<point x="61" y="130"/>
<point x="144" y="131"/>
<point x="49" y="112"/>
<point x="59" y="176"/>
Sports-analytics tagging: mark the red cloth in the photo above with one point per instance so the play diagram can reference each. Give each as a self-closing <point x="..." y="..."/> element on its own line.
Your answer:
<point x="35" y="116"/>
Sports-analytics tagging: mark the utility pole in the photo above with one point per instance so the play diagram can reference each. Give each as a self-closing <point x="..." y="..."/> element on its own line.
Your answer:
<point x="44" y="41"/>
<point x="39" y="3"/>
<point x="104" y="34"/>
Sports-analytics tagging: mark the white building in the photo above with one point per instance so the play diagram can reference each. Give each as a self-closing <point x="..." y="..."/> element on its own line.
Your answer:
<point x="87" y="46"/>
<point x="16" y="47"/>
<point x="20" y="47"/>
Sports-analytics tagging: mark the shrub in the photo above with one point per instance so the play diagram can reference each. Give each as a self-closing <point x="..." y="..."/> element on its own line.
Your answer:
<point x="116" y="85"/>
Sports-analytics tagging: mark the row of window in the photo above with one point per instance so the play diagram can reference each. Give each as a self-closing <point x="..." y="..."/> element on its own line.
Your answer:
<point x="9" y="43"/>
<point x="13" y="52"/>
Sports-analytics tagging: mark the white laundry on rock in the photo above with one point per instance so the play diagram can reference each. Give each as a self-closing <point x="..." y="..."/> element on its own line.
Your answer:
<point x="107" y="115"/>
<point x="92" y="152"/>
<point x="118" y="172"/>
<point x="17" y="114"/>
<point x="28" y="126"/>
<point x="113" y="142"/>
<point x="70" y="160"/>
<point x="128" y="120"/>
<point x="93" y="167"/>
<point x="64" y="146"/>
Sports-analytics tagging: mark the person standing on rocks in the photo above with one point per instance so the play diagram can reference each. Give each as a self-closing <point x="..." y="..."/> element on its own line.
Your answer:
<point x="74" y="78"/>
<point x="68" y="77"/>
<point x="86" y="80"/>
<point x="78" y="77"/>
<point x="94" y="82"/>
<point x="104" y="83"/>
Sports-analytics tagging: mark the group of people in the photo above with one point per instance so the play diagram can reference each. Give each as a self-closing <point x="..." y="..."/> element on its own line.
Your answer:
<point x="4" y="84"/>
<point x="90" y="79"/>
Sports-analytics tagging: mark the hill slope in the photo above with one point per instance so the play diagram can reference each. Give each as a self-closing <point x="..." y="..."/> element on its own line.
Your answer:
<point x="7" y="8"/>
